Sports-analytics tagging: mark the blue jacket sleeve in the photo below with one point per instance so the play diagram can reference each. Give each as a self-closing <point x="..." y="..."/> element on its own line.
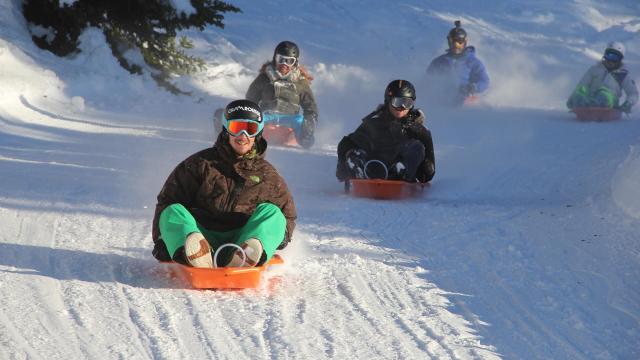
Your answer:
<point x="479" y="76"/>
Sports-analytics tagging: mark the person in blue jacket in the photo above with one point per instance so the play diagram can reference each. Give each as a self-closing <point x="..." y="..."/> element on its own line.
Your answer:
<point x="457" y="74"/>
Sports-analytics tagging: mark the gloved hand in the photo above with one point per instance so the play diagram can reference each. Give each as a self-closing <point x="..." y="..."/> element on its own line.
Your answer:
<point x="467" y="89"/>
<point x="307" y="143"/>
<point x="355" y="160"/>
<point x="625" y="107"/>
<point x="398" y="171"/>
<point x="306" y="132"/>
<point x="284" y="242"/>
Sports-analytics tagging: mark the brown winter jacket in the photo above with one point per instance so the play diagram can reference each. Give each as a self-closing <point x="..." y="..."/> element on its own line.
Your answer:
<point x="222" y="190"/>
<point x="286" y="95"/>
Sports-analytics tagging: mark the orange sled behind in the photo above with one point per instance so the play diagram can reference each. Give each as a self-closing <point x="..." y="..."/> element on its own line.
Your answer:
<point x="382" y="189"/>
<point x="597" y="114"/>
<point x="280" y="135"/>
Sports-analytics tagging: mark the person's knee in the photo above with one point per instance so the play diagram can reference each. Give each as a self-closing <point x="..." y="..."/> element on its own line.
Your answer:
<point x="579" y="98"/>
<point x="173" y="209"/>
<point x="415" y="149"/>
<point x="417" y="146"/>
<point x="270" y="210"/>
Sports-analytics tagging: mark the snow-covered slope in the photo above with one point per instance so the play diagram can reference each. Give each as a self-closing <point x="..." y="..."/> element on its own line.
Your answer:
<point x="524" y="247"/>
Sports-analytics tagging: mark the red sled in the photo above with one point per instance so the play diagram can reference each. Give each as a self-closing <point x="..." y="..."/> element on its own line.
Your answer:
<point x="382" y="189"/>
<point x="221" y="278"/>
<point x="280" y="135"/>
<point x="471" y="100"/>
<point x="597" y="114"/>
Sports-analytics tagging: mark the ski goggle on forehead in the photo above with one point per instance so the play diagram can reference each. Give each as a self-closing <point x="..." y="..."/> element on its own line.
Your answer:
<point x="402" y="102"/>
<point x="236" y="127"/>
<point x="286" y="60"/>
<point x="612" y="56"/>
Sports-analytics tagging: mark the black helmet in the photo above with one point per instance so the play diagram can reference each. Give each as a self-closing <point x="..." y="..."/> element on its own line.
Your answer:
<point x="287" y="48"/>
<point x="399" y="88"/>
<point x="243" y="110"/>
<point x="457" y="34"/>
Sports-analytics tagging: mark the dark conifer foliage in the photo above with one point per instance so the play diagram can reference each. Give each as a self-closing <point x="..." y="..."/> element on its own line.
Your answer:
<point x="149" y="26"/>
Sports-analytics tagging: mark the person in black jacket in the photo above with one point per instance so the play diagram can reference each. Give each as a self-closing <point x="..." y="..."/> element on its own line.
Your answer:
<point x="391" y="142"/>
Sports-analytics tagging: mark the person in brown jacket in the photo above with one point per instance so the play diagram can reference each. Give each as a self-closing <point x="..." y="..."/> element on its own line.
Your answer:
<point x="283" y="86"/>
<point x="226" y="199"/>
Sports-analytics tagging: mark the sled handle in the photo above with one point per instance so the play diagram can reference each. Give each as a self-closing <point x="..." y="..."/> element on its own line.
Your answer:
<point x="215" y="255"/>
<point x="386" y="171"/>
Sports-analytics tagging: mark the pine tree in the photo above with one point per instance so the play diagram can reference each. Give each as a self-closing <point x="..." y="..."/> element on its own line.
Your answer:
<point x="149" y="26"/>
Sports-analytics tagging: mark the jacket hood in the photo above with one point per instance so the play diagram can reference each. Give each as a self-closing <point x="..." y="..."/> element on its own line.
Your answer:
<point x="273" y="75"/>
<point x="300" y="72"/>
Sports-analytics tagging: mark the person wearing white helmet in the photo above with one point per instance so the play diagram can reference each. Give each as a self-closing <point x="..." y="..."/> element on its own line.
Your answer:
<point x="605" y="82"/>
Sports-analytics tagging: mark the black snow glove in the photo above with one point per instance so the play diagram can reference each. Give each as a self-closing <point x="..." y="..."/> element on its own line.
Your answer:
<point x="307" y="132"/>
<point x="284" y="242"/>
<point x="626" y="107"/>
<point x="355" y="160"/>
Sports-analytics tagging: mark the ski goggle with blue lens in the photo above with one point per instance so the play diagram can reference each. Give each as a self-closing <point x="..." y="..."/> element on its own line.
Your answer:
<point x="236" y="127"/>
<point x="286" y="60"/>
<point x="402" y="102"/>
<point x="612" y="56"/>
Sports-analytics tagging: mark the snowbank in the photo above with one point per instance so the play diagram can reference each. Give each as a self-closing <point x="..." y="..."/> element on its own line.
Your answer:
<point x="626" y="184"/>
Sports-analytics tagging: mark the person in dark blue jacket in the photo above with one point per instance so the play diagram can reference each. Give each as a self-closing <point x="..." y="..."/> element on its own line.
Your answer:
<point x="457" y="74"/>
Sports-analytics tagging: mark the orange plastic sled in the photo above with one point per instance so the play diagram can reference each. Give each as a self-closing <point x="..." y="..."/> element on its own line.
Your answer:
<point x="280" y="135"/>
<point x="597" y="114"/>
<point x="382" y="189"/>
<point x="222" y="278"/>
<point x="471" y="100"/>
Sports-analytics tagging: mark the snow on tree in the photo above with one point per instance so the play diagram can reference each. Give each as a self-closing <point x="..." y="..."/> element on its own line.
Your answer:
<point x="145" y="26"/>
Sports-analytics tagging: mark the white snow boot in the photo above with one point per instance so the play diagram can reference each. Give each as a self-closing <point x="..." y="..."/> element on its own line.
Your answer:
<point x="252" y="249"/>
<point x="198" y="251"/>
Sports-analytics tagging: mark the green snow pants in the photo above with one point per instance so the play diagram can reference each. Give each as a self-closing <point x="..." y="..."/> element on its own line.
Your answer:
<point x="267" y="224"/>
<point x="602" y="97"/>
